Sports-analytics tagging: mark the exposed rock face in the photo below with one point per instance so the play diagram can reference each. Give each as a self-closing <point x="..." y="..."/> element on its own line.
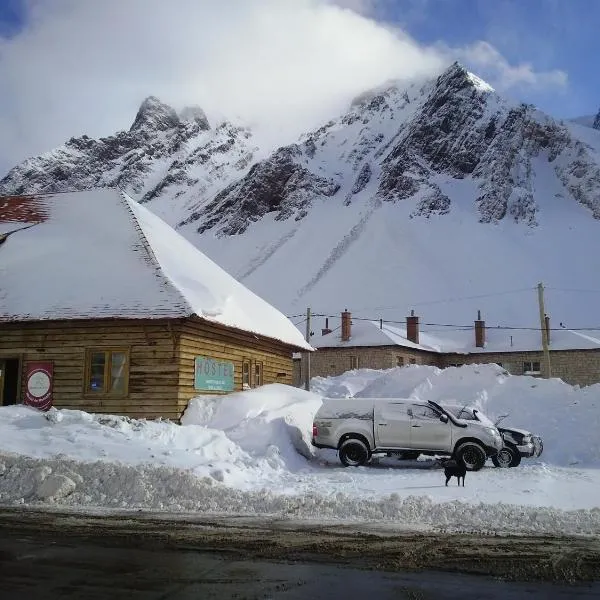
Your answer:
<point x="596" y="124"/>
<point x="163" y="155"/>
<point x="398" y="143"/>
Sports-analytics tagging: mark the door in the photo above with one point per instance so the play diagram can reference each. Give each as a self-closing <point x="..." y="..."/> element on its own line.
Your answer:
<point x="392" y="425"/>
<point x="9" y="381"/>
<point x="427" y="432"/>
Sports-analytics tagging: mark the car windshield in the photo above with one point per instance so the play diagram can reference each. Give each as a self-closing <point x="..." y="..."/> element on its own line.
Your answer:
<point x="466" y="413"/>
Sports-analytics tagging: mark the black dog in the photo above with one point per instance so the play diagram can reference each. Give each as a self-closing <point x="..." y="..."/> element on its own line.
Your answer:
<point x="455" y="468"/>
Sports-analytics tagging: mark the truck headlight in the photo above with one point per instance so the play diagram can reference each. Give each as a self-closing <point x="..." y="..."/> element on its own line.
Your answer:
<point x="526" y="439"/>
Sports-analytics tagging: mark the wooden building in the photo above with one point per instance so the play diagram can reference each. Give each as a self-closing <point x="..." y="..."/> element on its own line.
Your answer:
<point x="105" y="308"/>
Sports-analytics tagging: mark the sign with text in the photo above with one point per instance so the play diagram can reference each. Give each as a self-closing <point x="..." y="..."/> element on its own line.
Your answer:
<point x="213" y="375"/>
<point x="38" y="384"/>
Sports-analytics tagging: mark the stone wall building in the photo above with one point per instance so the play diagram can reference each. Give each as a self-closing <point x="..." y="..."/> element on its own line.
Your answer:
<point x="354" y="344"/>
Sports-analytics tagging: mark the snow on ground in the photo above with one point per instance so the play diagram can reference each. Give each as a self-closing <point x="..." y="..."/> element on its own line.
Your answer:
<point x="249" y="453"/>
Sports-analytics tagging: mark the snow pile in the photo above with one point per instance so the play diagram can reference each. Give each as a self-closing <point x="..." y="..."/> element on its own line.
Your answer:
<point x="250" y="453"/>
<point x="117" y="487"/>
<point x="242" y="439"/>
<point x="273" y="419"/>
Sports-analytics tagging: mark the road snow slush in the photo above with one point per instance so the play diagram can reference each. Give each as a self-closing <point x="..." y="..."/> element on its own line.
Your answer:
<point x="513" y="558"/>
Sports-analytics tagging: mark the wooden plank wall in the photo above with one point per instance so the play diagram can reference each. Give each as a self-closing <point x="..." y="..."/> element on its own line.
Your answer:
<point x="153" y="372"/>
<point x="199" y="338"/>
<point x="161" y="355"/>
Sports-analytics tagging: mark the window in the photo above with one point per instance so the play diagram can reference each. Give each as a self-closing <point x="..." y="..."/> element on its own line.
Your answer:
<point x="246" y="374"/>
<point x="399" y="361"/>
<point x="354" y="362"/>
<point x="258" y="374"/>
<point x="107" y="372"/>
<point x="413" y="361"/>
<point x="424" y="412"/>
<point x="531" y="368"/>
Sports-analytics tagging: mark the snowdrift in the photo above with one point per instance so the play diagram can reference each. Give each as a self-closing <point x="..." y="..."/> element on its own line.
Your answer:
<point x="250" y="453"/>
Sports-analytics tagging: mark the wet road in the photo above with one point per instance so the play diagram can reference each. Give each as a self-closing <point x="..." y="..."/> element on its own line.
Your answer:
<point x="46" y="557"/>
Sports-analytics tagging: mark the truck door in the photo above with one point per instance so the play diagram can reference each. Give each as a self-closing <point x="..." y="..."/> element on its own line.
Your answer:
<point x="427" y="432"/>
<point x="391" y="424"/>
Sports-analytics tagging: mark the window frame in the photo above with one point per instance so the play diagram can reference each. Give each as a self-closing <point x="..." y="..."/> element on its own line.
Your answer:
<point x="258" y="365"/>
<point x="108" y="352"/>
<point x="532" y="370"/>
<point x="246" y="362"/>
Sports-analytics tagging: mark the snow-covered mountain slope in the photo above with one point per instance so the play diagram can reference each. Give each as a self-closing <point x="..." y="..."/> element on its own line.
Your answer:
<point x="589" y="120"/>
<point x="419" y="196"/>
<point x="168" y="158"/>
<point x="439" y="196"/>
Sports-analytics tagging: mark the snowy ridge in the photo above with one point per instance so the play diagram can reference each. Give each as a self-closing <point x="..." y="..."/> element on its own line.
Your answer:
<point x="249" y="453"/>
<point x="168" y="158"/>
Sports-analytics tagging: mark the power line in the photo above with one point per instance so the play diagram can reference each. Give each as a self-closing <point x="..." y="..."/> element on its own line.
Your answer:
<point x="457" y="299"/>
<point x="458" y="327"/>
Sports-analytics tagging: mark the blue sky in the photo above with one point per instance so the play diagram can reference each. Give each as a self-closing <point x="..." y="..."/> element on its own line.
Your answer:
<point x="549" y="34"/>
<point x="12" y="17"/>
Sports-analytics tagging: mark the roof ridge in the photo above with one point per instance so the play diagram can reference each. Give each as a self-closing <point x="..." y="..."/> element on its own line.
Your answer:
<point x="150" y="252"/>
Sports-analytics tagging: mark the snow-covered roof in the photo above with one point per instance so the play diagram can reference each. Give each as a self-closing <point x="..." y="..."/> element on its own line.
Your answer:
<point x="98" y="254"/>
<point x="369" y="333"/>
<point x="373" y="333"/>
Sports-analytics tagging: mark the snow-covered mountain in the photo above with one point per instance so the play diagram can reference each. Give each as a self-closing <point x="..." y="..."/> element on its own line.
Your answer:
<point x="168" y="158"/>
<point x="440" y="196"/>
<point x="589" y="120"/>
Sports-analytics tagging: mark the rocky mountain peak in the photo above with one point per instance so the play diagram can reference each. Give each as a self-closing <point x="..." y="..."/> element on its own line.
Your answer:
<point x="194" y="114"/>
<point x="154" y="114"/>
<point x="596" y="124"/>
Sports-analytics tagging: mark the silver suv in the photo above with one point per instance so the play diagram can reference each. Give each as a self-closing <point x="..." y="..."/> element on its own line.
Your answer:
<point x="360" y="427"/>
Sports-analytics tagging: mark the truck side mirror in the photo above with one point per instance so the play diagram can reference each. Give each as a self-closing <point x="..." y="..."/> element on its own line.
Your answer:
<point x="444" y="418"/>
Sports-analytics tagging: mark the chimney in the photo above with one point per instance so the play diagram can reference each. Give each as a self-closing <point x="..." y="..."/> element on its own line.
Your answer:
<point x="412" y="328"/>
<point x="346" y="326"/>
<point x="547" y="324"/>
<point x="326" y="329"/>
<point x="479" y="331"/>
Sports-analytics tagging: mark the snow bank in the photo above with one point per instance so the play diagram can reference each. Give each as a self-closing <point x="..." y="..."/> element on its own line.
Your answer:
<point x="276" y="416"/>
<point x="250" y="453"/>
<point x="25" y="480"/>
<point x="243" y="439"/>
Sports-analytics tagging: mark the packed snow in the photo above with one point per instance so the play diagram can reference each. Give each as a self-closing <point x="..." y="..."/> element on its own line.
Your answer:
<point x="250" y="453"/>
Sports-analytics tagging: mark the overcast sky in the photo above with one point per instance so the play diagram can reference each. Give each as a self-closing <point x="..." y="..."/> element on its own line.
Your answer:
<point x="69" y="67"/>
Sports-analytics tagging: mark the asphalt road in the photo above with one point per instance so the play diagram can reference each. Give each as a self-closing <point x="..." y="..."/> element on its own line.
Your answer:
<point x="47" y="556"/>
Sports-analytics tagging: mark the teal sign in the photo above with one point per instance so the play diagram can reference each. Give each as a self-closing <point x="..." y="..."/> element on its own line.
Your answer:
<point x="213" y="375"/>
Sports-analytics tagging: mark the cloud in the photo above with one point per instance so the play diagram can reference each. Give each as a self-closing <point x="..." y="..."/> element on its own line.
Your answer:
<point x="483" y="57"/>
<point x="83" y="66"/>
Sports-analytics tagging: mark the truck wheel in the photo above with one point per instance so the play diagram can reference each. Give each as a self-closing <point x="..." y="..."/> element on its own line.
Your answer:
<point x="472" y="455"/>
<point x="354" y="453"/>
<point x="507" y="457"/>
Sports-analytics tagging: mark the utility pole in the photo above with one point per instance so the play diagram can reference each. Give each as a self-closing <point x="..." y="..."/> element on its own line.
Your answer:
<point x="307" y="374"/>
<point x="545" y="340"/>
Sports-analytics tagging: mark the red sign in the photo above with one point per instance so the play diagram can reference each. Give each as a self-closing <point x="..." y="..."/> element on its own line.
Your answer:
<point x="38" y="384"/>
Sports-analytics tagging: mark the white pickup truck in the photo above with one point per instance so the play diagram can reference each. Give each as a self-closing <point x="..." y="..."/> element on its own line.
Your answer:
<point x="360" y="427"/>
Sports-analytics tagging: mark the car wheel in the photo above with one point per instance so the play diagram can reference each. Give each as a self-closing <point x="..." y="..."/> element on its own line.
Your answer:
<point x="504" y="458"/>
<point x="516" y="459"/>
<point x="354" y="453"/>
<point x="472" y="455"/>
